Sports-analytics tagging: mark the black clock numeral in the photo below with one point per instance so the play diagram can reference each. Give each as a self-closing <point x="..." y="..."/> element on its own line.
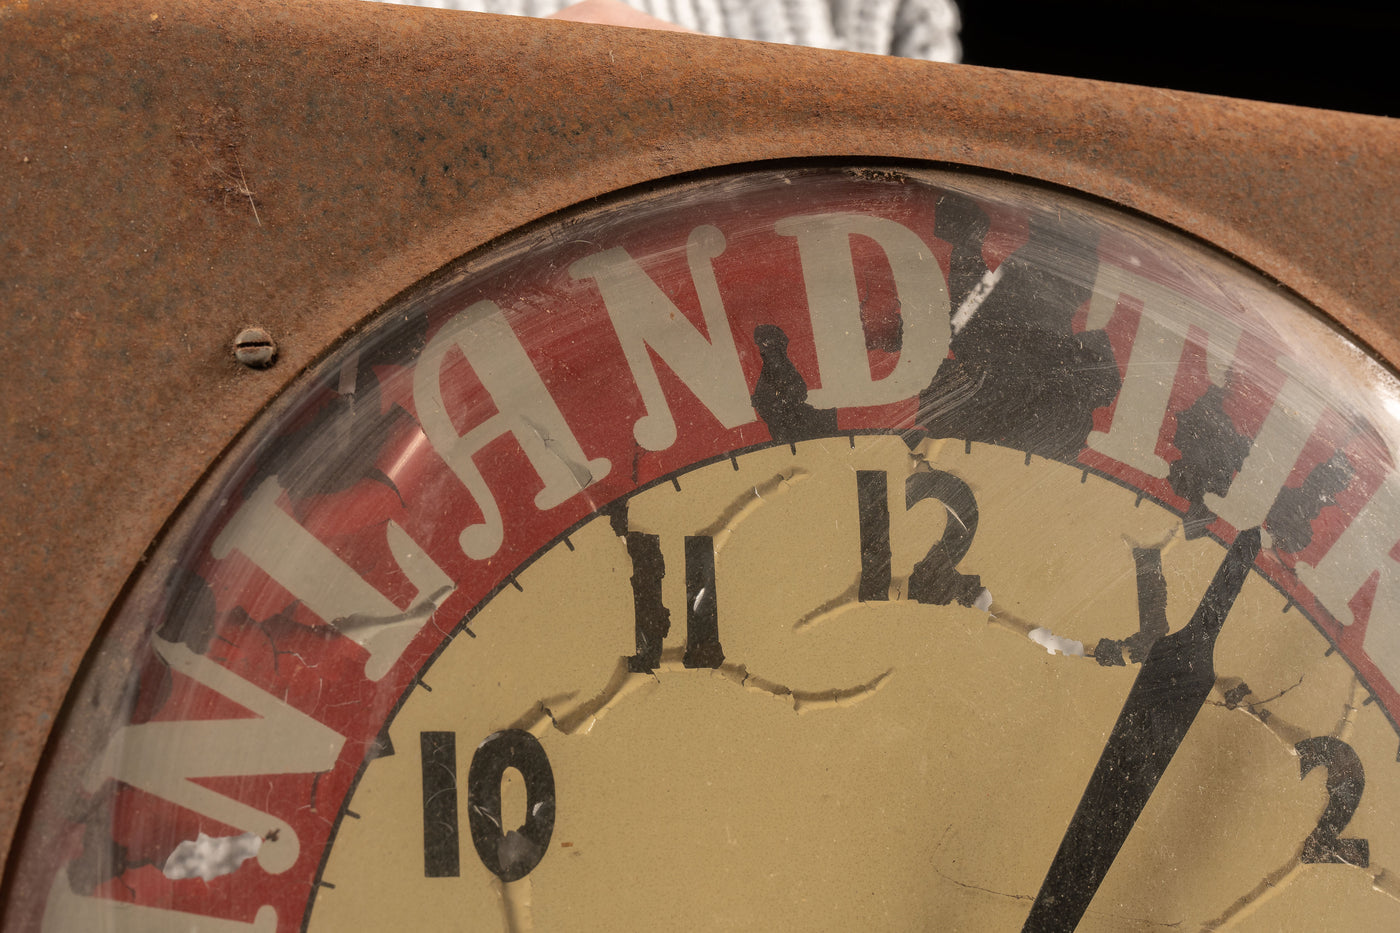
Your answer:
<point x="441" y="843"/>
<point x="702" y="647"/>
<point x="653" y="619"/>
<point x="508" y="854"/>
<point x="936" y="579"/>
<point x="1346" y="779"/>
<point x="873" y="507"/>
<point x="513" y="854"/>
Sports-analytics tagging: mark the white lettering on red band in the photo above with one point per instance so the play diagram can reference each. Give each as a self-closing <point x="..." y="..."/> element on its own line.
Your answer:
<point x="833" y="302"/>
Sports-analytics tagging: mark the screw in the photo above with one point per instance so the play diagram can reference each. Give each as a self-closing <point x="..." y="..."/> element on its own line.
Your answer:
<point x="253" y="347"/>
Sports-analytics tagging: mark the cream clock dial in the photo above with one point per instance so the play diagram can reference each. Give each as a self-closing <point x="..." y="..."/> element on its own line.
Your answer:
<point x="806" y="548"/>
<point x="855" y="762"/>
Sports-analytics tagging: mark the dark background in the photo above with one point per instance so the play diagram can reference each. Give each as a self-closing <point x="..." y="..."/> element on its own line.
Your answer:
<point x="1340" y="55"/>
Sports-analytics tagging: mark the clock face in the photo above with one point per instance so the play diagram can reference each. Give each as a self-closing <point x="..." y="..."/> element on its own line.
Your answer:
<point x="801" y="549"/>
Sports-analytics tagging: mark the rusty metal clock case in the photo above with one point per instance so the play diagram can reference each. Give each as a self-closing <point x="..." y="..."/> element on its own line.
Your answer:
<point x="175" y="173"/>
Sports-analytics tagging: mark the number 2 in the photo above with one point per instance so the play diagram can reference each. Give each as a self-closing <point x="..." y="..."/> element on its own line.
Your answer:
<point x="1346" y="779"/>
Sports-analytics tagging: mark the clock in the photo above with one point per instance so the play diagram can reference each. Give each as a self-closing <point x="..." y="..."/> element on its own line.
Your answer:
<point x="800" y="544"/>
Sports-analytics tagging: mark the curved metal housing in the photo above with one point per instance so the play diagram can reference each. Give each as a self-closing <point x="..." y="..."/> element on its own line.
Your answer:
<point x="176" y="172"/>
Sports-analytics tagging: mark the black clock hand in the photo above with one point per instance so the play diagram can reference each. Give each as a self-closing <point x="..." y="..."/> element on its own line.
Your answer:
<point x="1169" y="691"/>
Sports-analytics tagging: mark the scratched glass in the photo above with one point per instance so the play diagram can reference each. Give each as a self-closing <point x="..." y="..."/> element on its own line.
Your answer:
<point x="806" y="548"/>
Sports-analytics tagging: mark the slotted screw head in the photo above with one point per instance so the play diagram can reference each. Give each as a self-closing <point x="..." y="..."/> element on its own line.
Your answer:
<point x="254" y="348"/>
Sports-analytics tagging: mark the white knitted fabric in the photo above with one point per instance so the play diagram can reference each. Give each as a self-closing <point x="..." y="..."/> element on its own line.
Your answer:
<point x="925" y="29"/>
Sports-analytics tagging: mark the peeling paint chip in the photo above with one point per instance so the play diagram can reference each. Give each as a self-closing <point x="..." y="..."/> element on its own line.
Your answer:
<point x="1054" y="644"/>
<point x="211" y="857"/>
